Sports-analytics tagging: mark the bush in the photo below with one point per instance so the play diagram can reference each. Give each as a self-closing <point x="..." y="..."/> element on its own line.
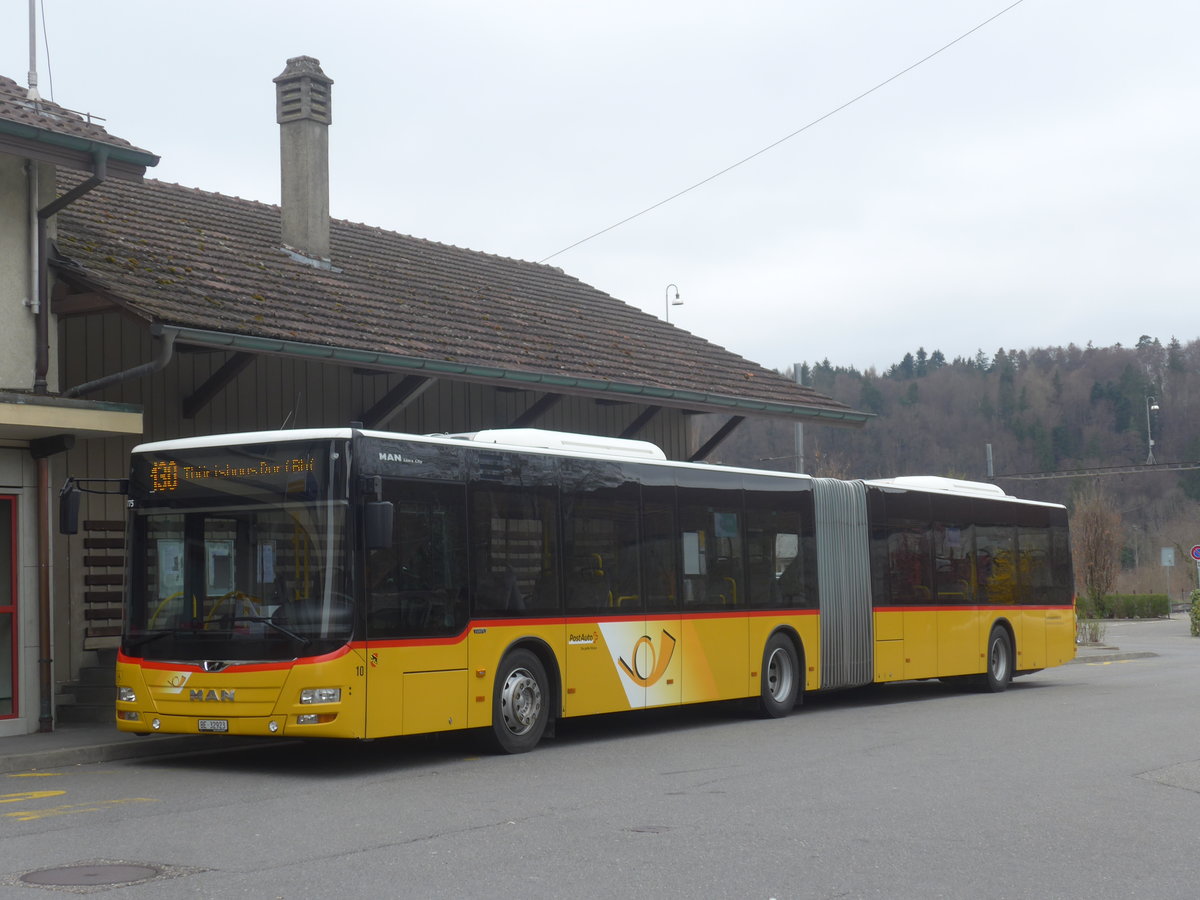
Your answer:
<point x="1133" y="606"/>
<point x="1196" y="613"/>
<point x="1089" y="629"/>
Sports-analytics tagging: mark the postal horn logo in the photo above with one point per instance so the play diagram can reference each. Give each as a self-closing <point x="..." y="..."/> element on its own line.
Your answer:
<point x="649" y="665"/>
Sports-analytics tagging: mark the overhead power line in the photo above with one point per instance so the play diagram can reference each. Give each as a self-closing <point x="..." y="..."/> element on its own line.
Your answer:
<point x="785" y="138"/>
<point x="1103" y="470"/>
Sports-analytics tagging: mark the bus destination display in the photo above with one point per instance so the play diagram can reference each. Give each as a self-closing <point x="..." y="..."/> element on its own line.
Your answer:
<point x="167" y="474"/>
<point x="262" y="471"/>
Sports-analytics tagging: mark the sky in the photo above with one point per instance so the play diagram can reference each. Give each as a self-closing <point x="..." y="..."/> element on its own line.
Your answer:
<point x="1035" y="184"/>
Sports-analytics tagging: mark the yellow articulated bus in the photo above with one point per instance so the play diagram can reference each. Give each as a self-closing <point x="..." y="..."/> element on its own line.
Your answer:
<point x="355" y="584"/>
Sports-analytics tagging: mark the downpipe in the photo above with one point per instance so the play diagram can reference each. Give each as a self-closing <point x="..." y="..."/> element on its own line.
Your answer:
<point x="41" y="365"/>
<point x="165" y="353"/>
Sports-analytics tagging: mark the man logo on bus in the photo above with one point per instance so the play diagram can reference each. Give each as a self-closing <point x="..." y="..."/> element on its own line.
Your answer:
<point x="645" y="660"/>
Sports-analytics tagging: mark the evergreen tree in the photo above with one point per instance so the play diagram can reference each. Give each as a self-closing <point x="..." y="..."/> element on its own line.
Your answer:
<point x="1175" y="362"/>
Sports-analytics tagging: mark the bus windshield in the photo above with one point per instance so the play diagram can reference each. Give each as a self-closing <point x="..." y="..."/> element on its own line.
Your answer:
<point x="239" y="584"/>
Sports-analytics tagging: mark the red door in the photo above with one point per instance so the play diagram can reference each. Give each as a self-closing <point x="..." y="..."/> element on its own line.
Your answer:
<point x="8" y="606"/>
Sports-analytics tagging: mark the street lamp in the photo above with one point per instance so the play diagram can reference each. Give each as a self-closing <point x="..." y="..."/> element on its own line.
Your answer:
<point x="668" y="302"/>
<point x="1151" y="406"/>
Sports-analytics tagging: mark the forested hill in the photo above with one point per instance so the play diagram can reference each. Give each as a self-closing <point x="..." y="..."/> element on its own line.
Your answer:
<point x="1043" y="410"/>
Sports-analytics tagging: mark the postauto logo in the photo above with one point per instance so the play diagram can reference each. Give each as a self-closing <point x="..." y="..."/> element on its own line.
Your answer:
<point x="641" y="659"/>
<point x="646" y="658"/>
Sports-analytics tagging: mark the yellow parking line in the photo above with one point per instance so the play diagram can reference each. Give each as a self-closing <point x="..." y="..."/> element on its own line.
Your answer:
<point x="28" y="815"/>
<point x="29" y="795"/>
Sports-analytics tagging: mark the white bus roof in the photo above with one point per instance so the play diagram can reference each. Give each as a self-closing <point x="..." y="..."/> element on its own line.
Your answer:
<point x="245" y="437"/>
<point x="563" y="440"/>
<point x="941" y="485"/>
<point x="568" y="443"/>
<point x="517" y="438"/>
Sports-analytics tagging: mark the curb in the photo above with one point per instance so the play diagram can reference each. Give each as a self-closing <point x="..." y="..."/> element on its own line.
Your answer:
<point x="1114" y="656"/>
<point x="150" y="746"/>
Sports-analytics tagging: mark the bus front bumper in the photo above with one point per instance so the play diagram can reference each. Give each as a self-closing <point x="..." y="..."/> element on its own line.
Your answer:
<point x="309" y="725"/>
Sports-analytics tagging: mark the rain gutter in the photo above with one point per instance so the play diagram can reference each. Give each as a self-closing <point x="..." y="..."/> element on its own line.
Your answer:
<point x="122" y="156"/>
<point x="469" y="371"/>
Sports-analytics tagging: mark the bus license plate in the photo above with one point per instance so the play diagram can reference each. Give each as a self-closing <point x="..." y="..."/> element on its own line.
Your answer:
<point x="214" y="724"/>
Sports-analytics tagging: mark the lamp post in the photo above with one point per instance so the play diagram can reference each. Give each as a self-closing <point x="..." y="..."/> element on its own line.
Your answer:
<point x="668" y="302"/>
<point x="1151" y="406"/>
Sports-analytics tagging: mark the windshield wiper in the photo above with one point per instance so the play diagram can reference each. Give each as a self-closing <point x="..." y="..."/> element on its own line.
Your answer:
<point x="304" y="641"/>
<point x="150" y="636"/>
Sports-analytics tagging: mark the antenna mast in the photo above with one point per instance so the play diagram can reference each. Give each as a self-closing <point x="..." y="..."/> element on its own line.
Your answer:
<point x="33" y="91"/>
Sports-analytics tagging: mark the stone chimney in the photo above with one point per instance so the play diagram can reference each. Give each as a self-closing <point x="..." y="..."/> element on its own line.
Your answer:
<point x="303" y="111"/>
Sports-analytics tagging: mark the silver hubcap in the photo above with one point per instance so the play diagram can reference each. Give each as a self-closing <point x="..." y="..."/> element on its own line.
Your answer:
<point x="999" y="659"/>
<point x="780" y="674"/>
<point x="520" y="701"/>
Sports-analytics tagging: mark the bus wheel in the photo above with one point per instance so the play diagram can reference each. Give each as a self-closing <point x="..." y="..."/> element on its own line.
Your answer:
<point x="520" y="703"/>
<point x="780" y="678"/>
<point x="999" y="661"/>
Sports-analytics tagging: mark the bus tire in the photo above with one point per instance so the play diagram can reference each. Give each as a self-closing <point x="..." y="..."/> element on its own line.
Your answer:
<point x="520" y="703"/>
<point x="779" y="678"/>
<point x="999" y="662"/>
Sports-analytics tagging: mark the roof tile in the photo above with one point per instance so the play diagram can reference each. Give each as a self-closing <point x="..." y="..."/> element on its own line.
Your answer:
<point x="184" y="257"/>
<point x="46" y="115"/>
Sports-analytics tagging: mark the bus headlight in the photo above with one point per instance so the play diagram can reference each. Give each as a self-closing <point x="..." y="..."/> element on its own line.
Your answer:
<point x="126" y="695"/>
<point x="321" y="695"/>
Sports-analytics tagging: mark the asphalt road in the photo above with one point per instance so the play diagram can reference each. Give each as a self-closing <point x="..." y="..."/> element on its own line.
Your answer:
<point x="1081" y="781"/>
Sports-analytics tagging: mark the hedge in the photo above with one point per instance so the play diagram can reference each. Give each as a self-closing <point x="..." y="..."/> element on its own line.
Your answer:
<point x="1133" y="606"/>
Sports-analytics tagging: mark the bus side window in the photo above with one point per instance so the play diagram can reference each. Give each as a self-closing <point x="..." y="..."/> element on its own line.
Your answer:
<point x="777" y="569"/>
<point x="600" y="558"/>
<point x="514" y="550"/>
<point x="660" y="552"/>
<point x="713" y="564"/>
<point x="417" y="585"/>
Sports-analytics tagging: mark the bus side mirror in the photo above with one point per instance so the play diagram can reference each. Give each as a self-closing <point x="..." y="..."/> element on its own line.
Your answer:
<point x="68" y="507"/>
<point x="378" y="524"/>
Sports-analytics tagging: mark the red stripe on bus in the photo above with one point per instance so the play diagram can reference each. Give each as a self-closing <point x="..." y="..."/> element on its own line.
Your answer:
<point x="626" y="617"/>
<point x="451" y="640"/>
<point x="249" y="667"/>
<point x="375" y="643"/>
<point x="957" y="608"/>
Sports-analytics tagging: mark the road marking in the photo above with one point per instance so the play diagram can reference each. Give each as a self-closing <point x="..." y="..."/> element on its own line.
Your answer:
<point x="29" y="815"/>
<point x="33" y="775"/>
<point x="29" y="795"/>
<point x="1109" y="662"/>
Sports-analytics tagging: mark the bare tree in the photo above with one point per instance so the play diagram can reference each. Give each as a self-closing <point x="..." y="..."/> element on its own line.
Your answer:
<point x="1096" y="544"/>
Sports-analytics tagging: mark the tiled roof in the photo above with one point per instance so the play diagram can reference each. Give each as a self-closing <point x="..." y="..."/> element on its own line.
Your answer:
<point x="187" y="258"/>
<point x="46" y="121"/>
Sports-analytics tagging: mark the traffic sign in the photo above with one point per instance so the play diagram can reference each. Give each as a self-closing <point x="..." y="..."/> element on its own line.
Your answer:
<point x="1196" y="553"/>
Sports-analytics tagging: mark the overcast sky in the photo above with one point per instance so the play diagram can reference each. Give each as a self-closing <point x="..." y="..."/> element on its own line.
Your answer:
<point x="1033" y="185"/>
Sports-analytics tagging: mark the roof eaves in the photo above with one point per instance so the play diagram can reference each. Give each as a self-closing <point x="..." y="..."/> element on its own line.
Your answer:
<point x="597" y="387"/>
<point x="126" y="161"/>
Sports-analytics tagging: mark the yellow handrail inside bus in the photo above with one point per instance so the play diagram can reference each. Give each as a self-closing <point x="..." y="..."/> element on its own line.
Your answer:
<point x="158" y="609"/>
